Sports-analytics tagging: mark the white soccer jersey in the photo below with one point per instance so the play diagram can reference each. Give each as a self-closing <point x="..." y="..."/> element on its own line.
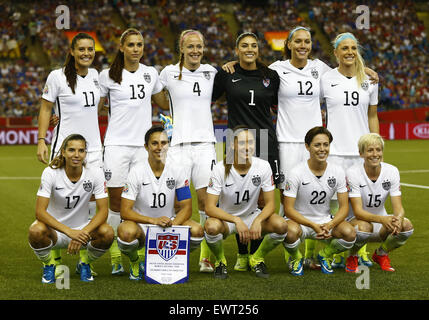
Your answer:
<point x="77" y="113"/>
<point x="239" y="195"/>
<point x="130" y="107"/>
<point x="313" y="194"/>
<point x="154" y="197"/>
<point x="69" y="202"/>
<point x="373" y="194"/>
<point x="190" y="102"/>
<point x="299" y="99"/>
<point x="347" y="110"/>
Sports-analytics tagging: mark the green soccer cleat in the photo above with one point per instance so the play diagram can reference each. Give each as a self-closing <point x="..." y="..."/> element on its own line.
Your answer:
<point x="242" y="263"/>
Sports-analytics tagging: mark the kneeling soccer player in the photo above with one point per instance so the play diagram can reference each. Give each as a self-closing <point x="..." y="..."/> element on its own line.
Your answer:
<point x="236" y="183"/>
<point x="369" y="185"/>
<point x="308" y="191"/>
<point x="62" y="210"/>
<point x="149" y="197"/>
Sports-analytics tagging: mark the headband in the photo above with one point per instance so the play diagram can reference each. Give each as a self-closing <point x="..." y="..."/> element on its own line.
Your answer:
<point x="295" y="30"/>
<point x="188" y="34"/>
<point x="245" y="34"/>
<point x="344" y="36"/>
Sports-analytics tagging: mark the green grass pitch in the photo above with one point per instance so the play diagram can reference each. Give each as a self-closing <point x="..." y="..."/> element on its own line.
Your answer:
<point x="20" y="273"/>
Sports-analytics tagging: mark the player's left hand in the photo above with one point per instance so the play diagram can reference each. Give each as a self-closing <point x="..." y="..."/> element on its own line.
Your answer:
<point x="373" y="76"/>
<point x="74" y="247"/>
<point x="229" y="67"/>
<point x="255" y="230"/>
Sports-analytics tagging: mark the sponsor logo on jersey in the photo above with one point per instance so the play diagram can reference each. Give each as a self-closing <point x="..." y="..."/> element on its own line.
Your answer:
<point x="171" y="183"/>
<point x="167" y="245"/>
<point x="206" y="75"/>
<point x="332" y="182"/>
<point x="146" y="77"/>
<point x="314" y="73"/>
<point x="386" y="185"/>
<point x="256" y="180"/>
<point x="365" y="85"/>
<point x="87" y="186"/>
<point x="107" y="174"/>
<point x="266" y="82"/>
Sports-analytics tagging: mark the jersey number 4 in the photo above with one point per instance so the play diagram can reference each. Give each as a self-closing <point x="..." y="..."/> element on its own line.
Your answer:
<point x="244" y="198"/>
<point x="197" y="88"/>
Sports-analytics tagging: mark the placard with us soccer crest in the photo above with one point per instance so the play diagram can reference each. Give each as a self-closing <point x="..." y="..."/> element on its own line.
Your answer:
<point x="167" y="254"/>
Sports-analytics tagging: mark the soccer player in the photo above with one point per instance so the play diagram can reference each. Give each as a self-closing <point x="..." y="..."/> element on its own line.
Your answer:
<point x="62" y="210"/>
<point x="129" y="87"/>
<point x="148" y="198"/>
<point x="351" y="102"/>
<point x="251" y="94"/>
<point x="309" y="188"/>
<point x="190" y="85"/>
<point x="369" y="186"/>
<point x="236" y="184"/>
<point x="73" y="91"/>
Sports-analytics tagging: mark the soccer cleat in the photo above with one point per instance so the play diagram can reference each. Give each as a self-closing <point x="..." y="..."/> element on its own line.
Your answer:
<point x="48" y="274"/>
<point x="261" y="270"/>
<point x="242" y="263"/>
<point x="383" y="261"/>
<point x="117" y="269"/>
<point x="364" y="260"/>
<point x="311" y="263"/>
<point x="220" y="271"/>
<point x="135" y="271"/>
<point x="85" y="272"/>
<point x="206" y="266"/>
<point x="338" y="262"/>
<point x="297" y="267"/>
<point x="141" y="267"/>
<point x="352" y="264"/>
<point x="78" y="269"/>
<point x="325" y="265"/>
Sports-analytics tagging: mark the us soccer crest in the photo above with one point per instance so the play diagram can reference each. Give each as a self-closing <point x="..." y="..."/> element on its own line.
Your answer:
<point x="108" y="175"/>
<point x="87" y="186"/>
<point x="167" y="245"/>
<point x="332" y="182"/>
<point x="96" y="83"/>
<point x="256" y="180"/>
<point x="266" y="82"/>
<point x="314" y="73"/>
<point x="206" y="75"/>
<point x="365" y="85"/>
<point x="386" y="185"/>
<point x="171" y="183"/>
<point x="146" y="77"/>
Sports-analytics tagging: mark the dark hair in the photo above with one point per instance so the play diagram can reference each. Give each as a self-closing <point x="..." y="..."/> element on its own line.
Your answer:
<point x="314" y="132"/>
<point x="263" y="68"/>
<point x="69" y="65"/>
<point x="230" y="138"/>
<point x="115" y="72"/>
<point x="59" y="161"/>
<point x="153" y="129"/>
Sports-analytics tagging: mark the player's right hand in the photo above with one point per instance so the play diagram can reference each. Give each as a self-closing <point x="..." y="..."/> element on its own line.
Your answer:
<point x="42" y="151"/>
<point x="243" y="231"/>
<point x="163" y="222"/>
<point x="389" y="222"/>
<point x="229" y="66"/>
<point x="79" y="235"/>
<point x="74" y="247"/>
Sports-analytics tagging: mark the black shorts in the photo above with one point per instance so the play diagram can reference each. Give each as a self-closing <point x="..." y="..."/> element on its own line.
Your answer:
<point x="270" y="153"/>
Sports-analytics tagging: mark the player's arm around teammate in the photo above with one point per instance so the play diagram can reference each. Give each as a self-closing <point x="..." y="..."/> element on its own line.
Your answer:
<point x="369" y="187"/>
<point x="236" y="184"/>
<point x="62" y="211"/>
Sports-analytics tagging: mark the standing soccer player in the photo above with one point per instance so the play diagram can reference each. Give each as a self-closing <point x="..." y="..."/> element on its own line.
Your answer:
<point x="74" y="93"/>
<point x="251" y="94"/>
<point x="148" y="198"/>
<point x="236" y="184"/>
<point x="190" y="86"/>
<point x="129" y="87"/>
<point x="351" y="102"/>
<point x="369" y="186"/>
<point x="308" y="191"/>
<point x="62" y="210"/>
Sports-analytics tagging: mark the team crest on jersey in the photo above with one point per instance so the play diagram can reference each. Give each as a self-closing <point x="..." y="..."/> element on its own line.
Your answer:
<point x="146" y="77"/>
<point x="386" y="185"/>
<point x="108" y="175"/>
<point x="365" y="85"/>
<point x="256" y="180"/>
<point x="206" y="75"/>
<point x="314" y="73"/>
<point x="96" y="84"/>
<point x="266" y="82"/>
<point x="171" y="183"/>
<point x="87" y="186"/>
<point x="332" y="182"/>
<point x="167" y="245"/>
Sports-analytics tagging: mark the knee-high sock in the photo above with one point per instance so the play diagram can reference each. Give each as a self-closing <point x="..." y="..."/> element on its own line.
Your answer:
<point x="93" y="253"/>
<point x="195" y="243"/>
<point x="129" y="248"/>
<point x="336" y="246"/>
<point x="293" y="249"/>
<point x="242" y="248"/>
<point x="361" y="240"/>
<point x="268" y="244"/>
<point x="395" y="241"/>
<point x="114" y="220"/>
<point x="44" y="254"/>
<point x="215" y="243"/>
<point x="205" y="251"/>
<point x="310" y="244"/>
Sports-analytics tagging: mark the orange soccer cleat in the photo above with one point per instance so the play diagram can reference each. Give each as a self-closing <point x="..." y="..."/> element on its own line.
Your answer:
<point x="352" y="264"/>
<point x="383" y="261"/>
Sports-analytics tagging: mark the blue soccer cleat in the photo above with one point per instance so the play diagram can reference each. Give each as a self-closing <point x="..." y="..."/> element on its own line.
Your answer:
<point x="48" y="274"/>
<point x="325" y="265"/>
<point x="117" y="269"/>
<point x="338" y="262"/>
<point x="365" y="260"/>
<point x="136" y="273"/>
<point x="297" y="267"/>
<point x="85" y="272"/>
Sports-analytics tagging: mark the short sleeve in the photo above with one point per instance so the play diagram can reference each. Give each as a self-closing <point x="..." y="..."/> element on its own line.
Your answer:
<point x="104" y="78"/>
<point x="324" y="67"/>
<point x="268" y="179"/>
<point x="215" y="182"/>
<point x="373" y="97"/>
<point x="51" y="89"/>
<point x="46" y="183"/>
<point x="163" y="77"/>
<point x="395" y="188"/>
<point x="158" y="86"/>
<point x="352" y="181"/>
<point x="132" y="186"/>
<point x="100" y="188"/>
<point x="341" y="183"/>
<point x="292" y="184"/>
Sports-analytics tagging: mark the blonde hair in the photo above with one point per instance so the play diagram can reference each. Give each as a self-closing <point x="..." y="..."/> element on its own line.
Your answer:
<point x="59" y="161"/>
<point x="369" y="139"/>
<point x="360" y="63"/>
<point x="182" y="37"/>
